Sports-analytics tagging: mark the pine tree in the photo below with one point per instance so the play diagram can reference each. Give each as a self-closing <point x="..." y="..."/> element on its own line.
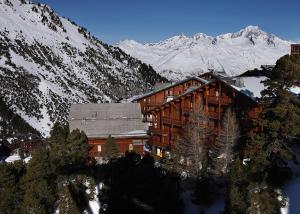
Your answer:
<point x="77" y="147"/>
<point x="66" y="204"/>
<point x="268" y="149"/>
<point x="10" y="193"/>
<point x="67" y="150"/>
<point x="39" y="185"/>
<point x="58" y="145"/>
<point x="111" y="150"/>
<point x="223" y="150"/>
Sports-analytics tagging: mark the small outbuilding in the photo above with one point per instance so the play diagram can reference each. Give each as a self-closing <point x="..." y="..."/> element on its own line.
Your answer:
<point x="123" y="121"/>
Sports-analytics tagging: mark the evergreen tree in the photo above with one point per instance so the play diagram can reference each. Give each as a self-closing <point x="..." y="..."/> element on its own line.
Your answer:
<point x="58" y="145"/>
<point x="67" y="150"/>
<point x="268" y="149"/>
<point x="111" y="150"/>
<point x="77" y="147"/>
<point x="66" y="204"/>
<point x="39" y="184"/>
<point x="9" y="195"/>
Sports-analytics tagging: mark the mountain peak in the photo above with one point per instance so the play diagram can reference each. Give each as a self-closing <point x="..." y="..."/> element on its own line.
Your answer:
<point x="175" y="58"/>
<point x="250" y="32"/>
<point x="199" y="36"/>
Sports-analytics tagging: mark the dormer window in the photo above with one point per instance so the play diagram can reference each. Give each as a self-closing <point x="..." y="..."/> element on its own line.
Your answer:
<point x="94" y="115"/>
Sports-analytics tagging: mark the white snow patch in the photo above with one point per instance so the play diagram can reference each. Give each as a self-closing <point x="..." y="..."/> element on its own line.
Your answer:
<point x="13" y="158"/>
<point x="95" y="204"/>
<point x="292" y="189"/>
<point x="253" y="86"/>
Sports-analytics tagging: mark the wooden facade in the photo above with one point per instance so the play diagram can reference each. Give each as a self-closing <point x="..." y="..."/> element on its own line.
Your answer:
<point x="168" y="120"/>
<point x="124" y="144"/>
<point x="295" y="49"/>
<point x="122" y="121"/>
<point x="159" y="97"/>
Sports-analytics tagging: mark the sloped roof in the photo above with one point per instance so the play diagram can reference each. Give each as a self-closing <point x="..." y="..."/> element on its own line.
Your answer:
<point x="102" y="120"/>
<point x="237" y="89"/>
<point x="170" y="86"/>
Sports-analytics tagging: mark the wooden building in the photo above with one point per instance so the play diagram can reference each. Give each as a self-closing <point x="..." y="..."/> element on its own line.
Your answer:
<point x="123" y="121"/>
<point x="162" y="95"/>
<point x="295" y="49"/>
<point x="168" y="119"/>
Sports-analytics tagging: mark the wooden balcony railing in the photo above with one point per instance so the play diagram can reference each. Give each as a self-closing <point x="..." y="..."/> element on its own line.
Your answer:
<point x="215" y="100"/>
<point x="213" y="115"/>
<point x="147" y="119"/>
<point x="154" y="131"/>
<point x="172" y="121"/>
<point x="153" y="105"/>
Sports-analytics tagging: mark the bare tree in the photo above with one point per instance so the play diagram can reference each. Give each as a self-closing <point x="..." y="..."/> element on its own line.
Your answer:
<point x="191" y="150"/>
<point x="223" y="150"/>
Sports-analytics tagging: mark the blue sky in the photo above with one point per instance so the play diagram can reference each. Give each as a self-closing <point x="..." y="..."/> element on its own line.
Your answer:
<point x="154" y="20"/>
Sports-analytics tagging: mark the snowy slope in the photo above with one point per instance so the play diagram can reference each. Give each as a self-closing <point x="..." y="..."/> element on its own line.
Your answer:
<point x="48" y="62"/>
<point x="234" y="53"/>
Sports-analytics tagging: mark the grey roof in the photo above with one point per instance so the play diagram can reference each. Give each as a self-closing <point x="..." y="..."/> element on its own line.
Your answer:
<point x="101" y="120"/>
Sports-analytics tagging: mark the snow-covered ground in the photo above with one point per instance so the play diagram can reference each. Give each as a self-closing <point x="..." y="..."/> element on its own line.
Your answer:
<point x="64" y="63"/>
<point x="234" y="53"/>
<point x="191" y="208"/>
<point x="292" y="189"/>
<point x="16" y="157"/>
<point x="95" y="204"/>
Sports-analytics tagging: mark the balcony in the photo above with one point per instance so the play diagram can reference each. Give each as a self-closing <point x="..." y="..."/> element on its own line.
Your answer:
<point x="213" y="115"/>
<point x="172" y="121"/>
<point x="147" y="119"/>
<point x="156" y="141"/>
<point x="215" y="100"/>
<point x="153" y="105"/>
<point x="154" y="131"/>
<point x="186" y="111"/>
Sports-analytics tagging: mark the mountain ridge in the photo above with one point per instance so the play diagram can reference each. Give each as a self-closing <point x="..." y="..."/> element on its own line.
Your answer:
<point x="182" y="55"/>
<point x="48" y="62"/>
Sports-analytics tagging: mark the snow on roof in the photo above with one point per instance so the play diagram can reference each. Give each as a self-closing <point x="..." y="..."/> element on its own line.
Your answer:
<point x="16" y="157"/>
<point x="295" y="89"/>
<point x="12" y="158"/>
<point x="252" y="86"/>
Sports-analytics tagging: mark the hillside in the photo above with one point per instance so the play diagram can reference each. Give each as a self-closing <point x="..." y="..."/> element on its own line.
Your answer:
<point x="48" y="62"/>
<point x="182" y="56"/>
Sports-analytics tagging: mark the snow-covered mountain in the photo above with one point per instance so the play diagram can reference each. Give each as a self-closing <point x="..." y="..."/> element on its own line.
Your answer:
<point x="233" y="53"/>
<point x="48" y="62"/>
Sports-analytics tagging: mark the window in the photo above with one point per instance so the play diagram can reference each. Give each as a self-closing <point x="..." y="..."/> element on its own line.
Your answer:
<point x="158" y="152"/>
<point x="83" y="122"/>
<point x="137" y="142"/>
<point x="94" y="115"/>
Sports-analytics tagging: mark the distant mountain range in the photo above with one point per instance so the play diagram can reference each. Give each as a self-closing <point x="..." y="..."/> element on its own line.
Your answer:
<point x="48" y="62"/>
<point x="234" y="53"/>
